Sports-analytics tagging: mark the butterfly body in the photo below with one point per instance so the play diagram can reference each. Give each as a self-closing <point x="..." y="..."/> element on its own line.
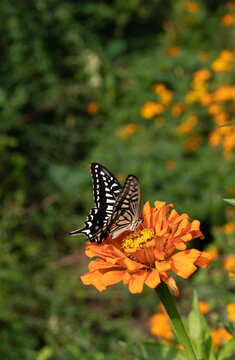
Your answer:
<point x="116" y="209"/>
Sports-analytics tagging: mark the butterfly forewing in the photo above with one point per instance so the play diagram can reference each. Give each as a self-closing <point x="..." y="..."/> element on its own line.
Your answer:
<point x="106" y="189"/>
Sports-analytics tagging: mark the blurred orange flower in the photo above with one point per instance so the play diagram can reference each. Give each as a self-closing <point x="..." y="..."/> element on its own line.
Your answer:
<point x="192" y="143"/>
<point x="192" y="7"/>
<point x="214" y="109"/>
<point x="221" y="118"/>
<point x="206" y="99"/>
<point x="228" y="19"/>
<point x="231" y="311"/>
<point x="92" y="108"/>
<point x="166" y="96"/>
<point x="187" y="125"/>
<point x="191" y="97"/>
<point x="220" y="336"/>
<point x="229" y="263"/>
<point x="224" y="93"/>
<point x="227" y="55"/>
<point x="215" y="137"/>
<point x="231" y="4"/>
<point x="177" y="109"/>
<point x="150" y="109"/>
<point x="220" y="65"/>
<point x="160" y="326"/>
<point x="126" y="131"/>
<point x="158" y="88"/>
<point x="203" y="307"/>
<point x="198" y="92"/>
<point x="223" y="63"/>
<point x="170" y="165"/>
<point x="174" y="51"/>
<point x="228" y="228"/>
<point x="213" y="251"/>
<point x="145" y="256"/>
<point x="229" y="142"/>
<point x="202" y="75"/>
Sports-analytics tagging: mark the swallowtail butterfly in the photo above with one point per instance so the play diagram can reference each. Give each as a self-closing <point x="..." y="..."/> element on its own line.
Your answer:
<point x="116" y="209"/>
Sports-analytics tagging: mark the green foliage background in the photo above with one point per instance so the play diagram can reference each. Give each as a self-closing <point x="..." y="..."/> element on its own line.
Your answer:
<point x="56" y="58"/>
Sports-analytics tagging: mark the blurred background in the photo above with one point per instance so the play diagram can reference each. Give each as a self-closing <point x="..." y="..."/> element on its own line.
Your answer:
<point x="141" y="87"/>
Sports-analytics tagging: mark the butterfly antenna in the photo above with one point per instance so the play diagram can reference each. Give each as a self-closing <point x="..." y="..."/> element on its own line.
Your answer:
<point x="151" y="212"/>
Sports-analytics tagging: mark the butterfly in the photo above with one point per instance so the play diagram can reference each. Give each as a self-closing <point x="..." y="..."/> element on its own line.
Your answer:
<point x="116" y="209"/>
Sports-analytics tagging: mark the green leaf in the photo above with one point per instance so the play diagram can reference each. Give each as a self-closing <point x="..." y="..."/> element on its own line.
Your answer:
<point x="153" y="351"/>
<point x="45" y="353"/>
<point x="199" y="332"/>
<point x="228" y="351"/>
<point x="230" y="201"/>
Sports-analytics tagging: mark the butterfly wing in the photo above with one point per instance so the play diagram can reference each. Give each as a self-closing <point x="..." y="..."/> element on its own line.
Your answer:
<point x="127" y="208"/>
<point x="106" y="189"/>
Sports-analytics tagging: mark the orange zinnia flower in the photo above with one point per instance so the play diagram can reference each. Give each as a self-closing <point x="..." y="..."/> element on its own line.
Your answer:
<point x="229" y="263"/>
<point x="220" y="336"/>
<point x="160" y="326"/>
<point x="144" y="256"/>
<point x="174" y="50"/>
<point x="213" y="251"/>
<point x="92" y="108"/>
<point x="203" y="307"/>
<point x="228" y="19"/>
<point x="192" y="7"/>
<point x="150" y="109"/>
<point x="231" y="311"/>
<point x="126" y="131"/>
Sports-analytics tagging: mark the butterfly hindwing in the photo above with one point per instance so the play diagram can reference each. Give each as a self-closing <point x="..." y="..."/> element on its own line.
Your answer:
<point x="94" y="222"/>
<point x="128" y="206"/>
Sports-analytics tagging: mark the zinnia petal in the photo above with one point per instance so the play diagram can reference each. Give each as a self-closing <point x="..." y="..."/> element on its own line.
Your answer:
<point x="152" y="278"/>
<point x="146" y="214"/>
<point x="170" y="282"/>
<point x="183" y="262"/>
<point x="100" y="264"/>
<point x="136" y="282"/>
<point x="204" y="259"/>
<point x="132" y="265"/>
<point x="94" y="278"/>
<point x="113" y="277"/>
<point x="196" y="230"/>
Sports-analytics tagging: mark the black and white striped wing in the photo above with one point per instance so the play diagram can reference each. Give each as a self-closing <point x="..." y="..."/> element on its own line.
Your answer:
<point x="126" y="214"/>
<point x="106" y="189"/>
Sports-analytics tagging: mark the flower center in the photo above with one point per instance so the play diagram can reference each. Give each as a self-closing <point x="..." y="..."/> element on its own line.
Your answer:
<point x="135" y="240"/>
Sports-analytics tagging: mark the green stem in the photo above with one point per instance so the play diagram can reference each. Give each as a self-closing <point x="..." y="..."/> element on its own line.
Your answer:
<point x="169" y="304"/>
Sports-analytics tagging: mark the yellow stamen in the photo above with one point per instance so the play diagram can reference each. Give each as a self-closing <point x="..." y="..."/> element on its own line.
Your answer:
<point x="135" y="240"/>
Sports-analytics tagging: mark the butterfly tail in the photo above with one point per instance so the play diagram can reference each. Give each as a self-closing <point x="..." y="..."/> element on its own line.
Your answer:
<point x="77" y="232"/>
